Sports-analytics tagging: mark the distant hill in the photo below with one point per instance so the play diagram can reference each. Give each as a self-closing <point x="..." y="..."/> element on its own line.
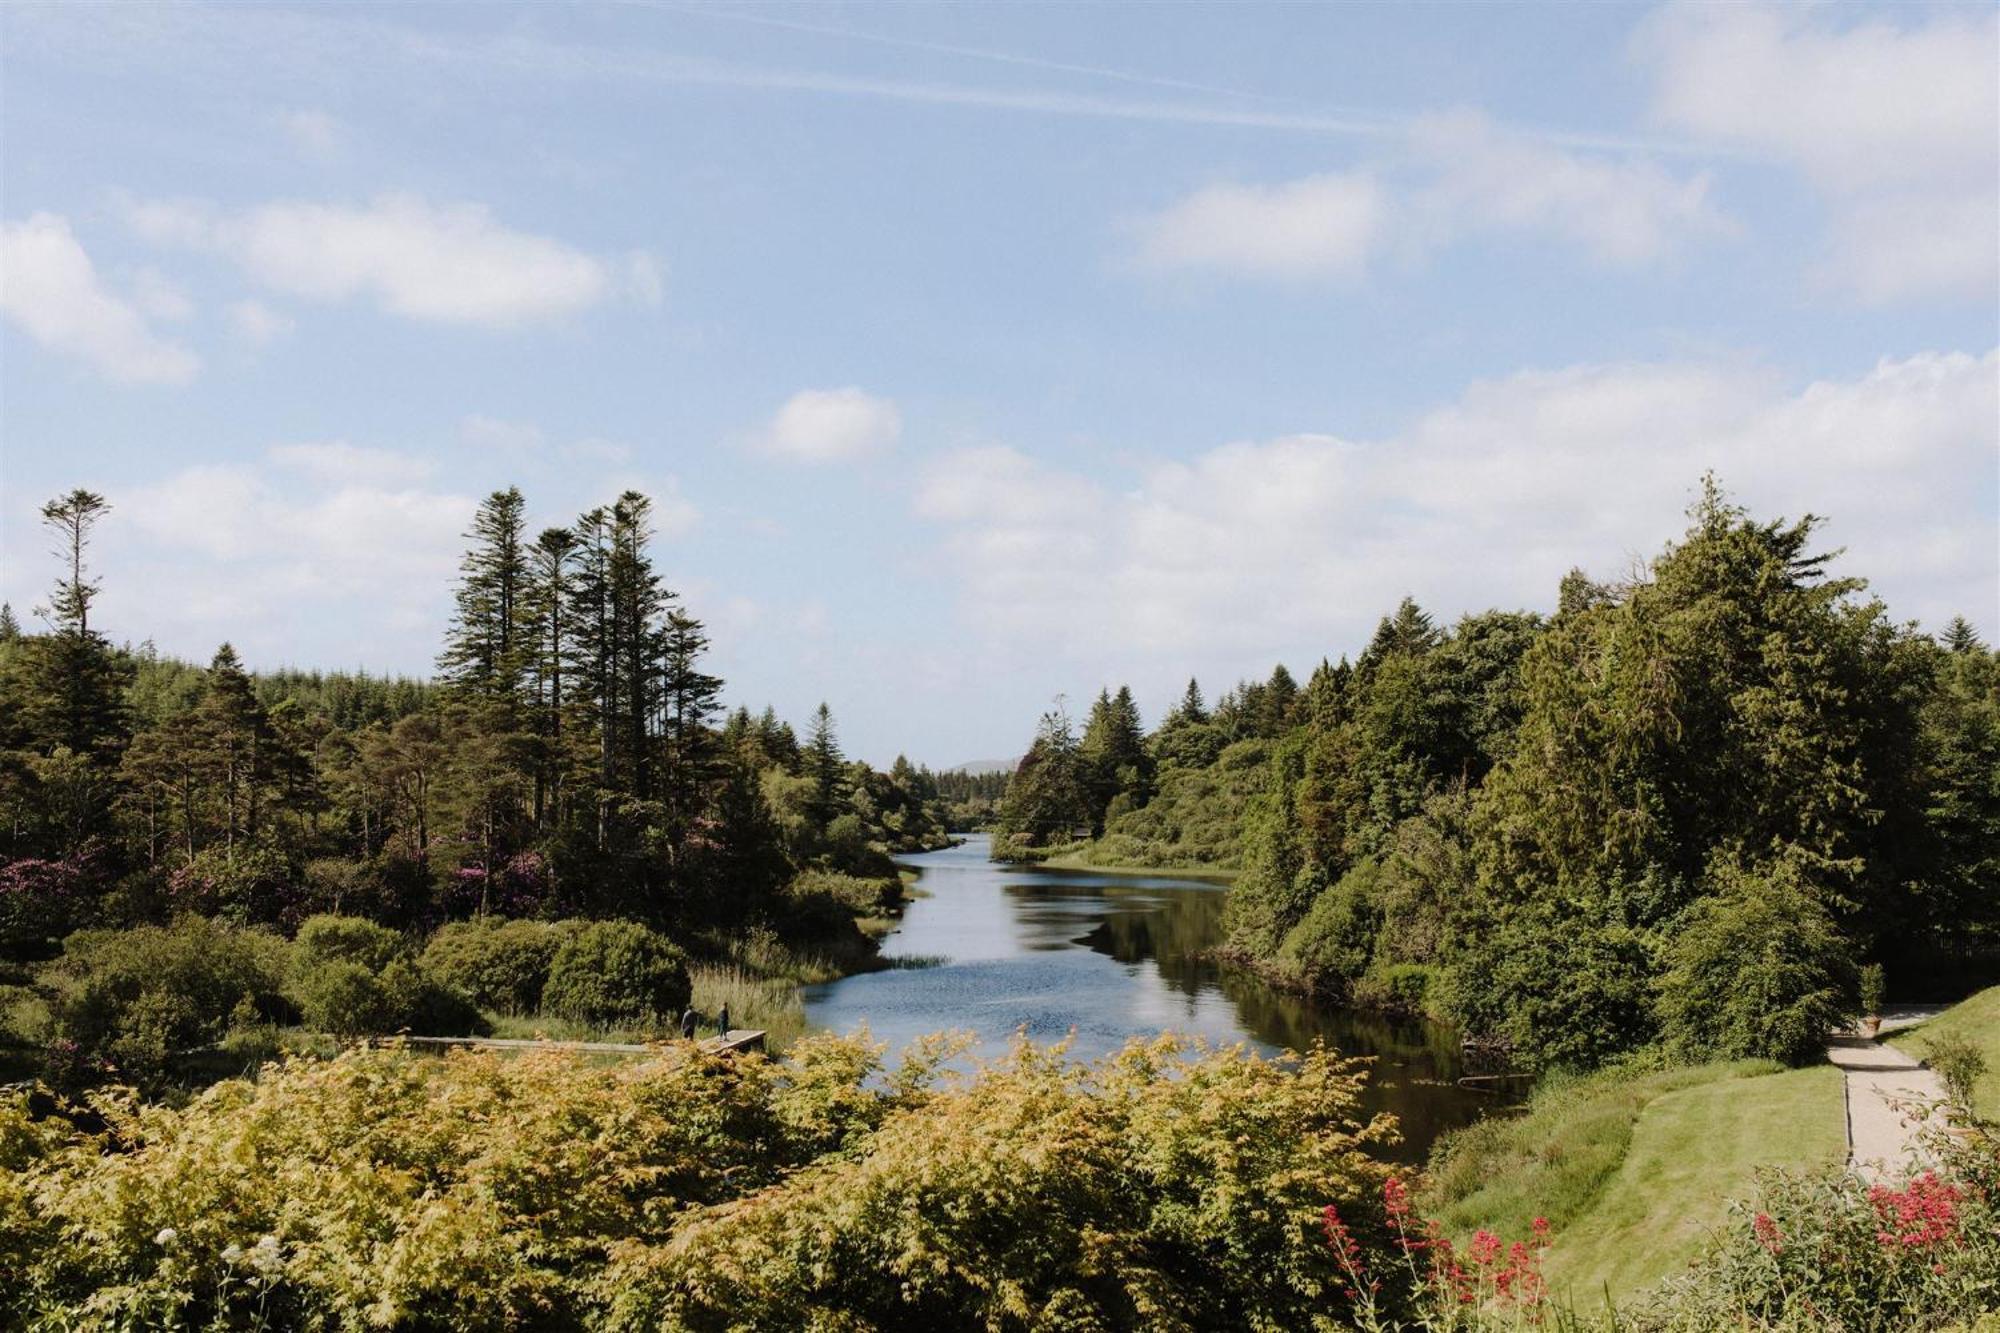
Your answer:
<point x="980" y="767"/>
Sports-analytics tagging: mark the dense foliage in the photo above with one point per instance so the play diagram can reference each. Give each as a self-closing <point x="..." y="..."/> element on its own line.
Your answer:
<point x="1161" y="1188"/>
<point x="1684" y="809"/>
<point x="572" y="761"/>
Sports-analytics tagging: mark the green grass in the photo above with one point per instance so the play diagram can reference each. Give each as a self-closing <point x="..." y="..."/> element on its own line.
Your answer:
<point x="754" y="1002"/>
<point x="1691" y="1152"/>
<point x="1077" y="861"/>
<point x="551" y="1027"/>
<point x="1553" y="1160"/>
<point x="1976" y="1019"/>
<point x="1631" y="1168"/>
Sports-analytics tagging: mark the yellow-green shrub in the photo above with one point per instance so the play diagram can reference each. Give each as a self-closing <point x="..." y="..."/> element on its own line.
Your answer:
<point x="1164" y="1187"/>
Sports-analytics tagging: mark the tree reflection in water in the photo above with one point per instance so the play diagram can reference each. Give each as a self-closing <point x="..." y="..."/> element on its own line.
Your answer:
<point x="1107" y="957"/>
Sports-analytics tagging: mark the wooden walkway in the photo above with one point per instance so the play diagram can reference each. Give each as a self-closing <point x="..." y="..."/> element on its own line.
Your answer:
<point x="737" y="1039"/>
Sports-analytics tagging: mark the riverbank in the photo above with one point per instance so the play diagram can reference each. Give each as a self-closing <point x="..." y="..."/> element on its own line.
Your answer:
<point x="1076" y="862"/>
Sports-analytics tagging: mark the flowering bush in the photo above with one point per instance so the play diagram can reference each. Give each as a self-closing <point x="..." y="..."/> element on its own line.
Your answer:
<point x="42" y="900"/>
<point x="1825" y="1250"/>
<point x="1419" y="1272"/>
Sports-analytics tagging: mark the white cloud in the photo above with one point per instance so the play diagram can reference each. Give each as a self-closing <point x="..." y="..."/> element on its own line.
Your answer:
<point x="1624" y="210"/>
<point x="325" y="553"/>
<point x="337" y="462"/>
<point x="832" y="426"/>
<point x="444" y="263"/>
<point x="1292" y="547"/>
<point x="1892" y="119"/>
<point x="257" y="324"/>
<point x="1322" y="226"/>
<point x="50" y="290"/>
<point x="1451" y="177"/>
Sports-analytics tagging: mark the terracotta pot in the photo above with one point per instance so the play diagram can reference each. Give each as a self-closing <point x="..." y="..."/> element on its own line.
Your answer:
<point x="1871" y="1025"/>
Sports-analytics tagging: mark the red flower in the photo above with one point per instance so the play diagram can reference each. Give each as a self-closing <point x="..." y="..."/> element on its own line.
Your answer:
<point x="1923" y="1213"/>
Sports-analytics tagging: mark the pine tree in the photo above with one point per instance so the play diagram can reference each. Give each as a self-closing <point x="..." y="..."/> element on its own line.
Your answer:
<point x="240" y="740"/>
<point x="1280" y="702"/>
<point x="1048" y="799"/>
<point x="1409" y="632"/>
<point x="637" y="601"/>
<point x="1192" y="708"/>
<point x="689" y="700"/>
<point x="10" y="628"/>
<point x="1960" y="637"/>
<point x="827" y="768"/>
<point x="1114" y="755"/>
<point x="485" y="649"/>
<point x="77" y="699"/>
<point x="552" y="654"/>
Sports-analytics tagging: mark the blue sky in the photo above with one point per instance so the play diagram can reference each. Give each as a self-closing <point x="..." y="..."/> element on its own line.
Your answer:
<point x="976" y="355"/>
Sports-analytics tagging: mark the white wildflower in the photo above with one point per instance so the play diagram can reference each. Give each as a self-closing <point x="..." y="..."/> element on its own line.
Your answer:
<point x="166" y="1236"/>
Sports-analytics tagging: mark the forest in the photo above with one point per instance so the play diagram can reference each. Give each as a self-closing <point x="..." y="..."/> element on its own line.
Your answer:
<point x="569" y="763"/>
<point x="1681" y="813"/>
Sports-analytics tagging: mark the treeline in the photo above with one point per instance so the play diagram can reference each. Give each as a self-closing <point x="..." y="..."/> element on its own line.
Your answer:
<point x="571" y="760"/>
<point x="1680" y="812"/>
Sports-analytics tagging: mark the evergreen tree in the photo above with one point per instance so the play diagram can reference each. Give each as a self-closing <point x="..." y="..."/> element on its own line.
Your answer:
<point x="552" y="655"/>
<point x="1048" y="800"/>
<point x="1279" y="704"/>
<point x="1959" y="636"/>
<point x="827" y="770"/>
<point x="689" y="700"/>
<point x="10" y="628"/>
<point x="74" y="691"/>
<point x="637" y="602"/>
<point x="1409" y="632"/>
<point x="1114" y="756"/>
<point x="240" y="740"/>
<point x="485" y="649"/>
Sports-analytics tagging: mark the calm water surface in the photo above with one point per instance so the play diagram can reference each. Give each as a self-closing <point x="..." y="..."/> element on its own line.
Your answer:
<point x="1110" y="957"/>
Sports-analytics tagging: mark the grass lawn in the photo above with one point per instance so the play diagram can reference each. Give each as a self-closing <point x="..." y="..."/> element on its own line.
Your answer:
<point x="1977" y="1019"/>
<point x="1555" y="1159"/>
<point x="1692" y="1151"/>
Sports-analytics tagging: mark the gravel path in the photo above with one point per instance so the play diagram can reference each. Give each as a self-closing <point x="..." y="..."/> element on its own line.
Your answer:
<point x="1882" y="1135"/>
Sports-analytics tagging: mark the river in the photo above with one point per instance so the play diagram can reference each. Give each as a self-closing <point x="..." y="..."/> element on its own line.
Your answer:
<point x="1109" y="957"/>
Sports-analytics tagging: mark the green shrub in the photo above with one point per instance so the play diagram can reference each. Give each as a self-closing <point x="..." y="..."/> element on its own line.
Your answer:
<point x="1758" y="970"/>
<point x="502" y="965"/>
<point x="1873" y="990"/>
<point x="1959" y="1063"/>
<point x="617" y="972"/>
<point x="345" y="998"/>
<point x="689" y="1190"/>
<point x="349" y="939"/>
<point x="1331" y="945"/>
<point x="425" y="1006"/>
<point x="862" y="896"/>
<point x="1402" y="988"/>
<point x="137" y="996"/>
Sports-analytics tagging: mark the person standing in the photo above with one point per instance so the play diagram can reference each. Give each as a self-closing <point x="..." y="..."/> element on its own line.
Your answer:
<point x="689" y="1019"/>
<point x="722" y="1022"/>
